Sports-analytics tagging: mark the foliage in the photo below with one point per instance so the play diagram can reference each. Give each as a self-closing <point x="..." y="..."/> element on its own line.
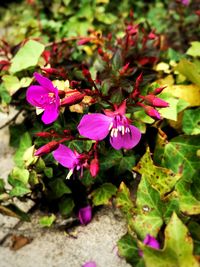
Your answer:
<point x="135" y="65"/>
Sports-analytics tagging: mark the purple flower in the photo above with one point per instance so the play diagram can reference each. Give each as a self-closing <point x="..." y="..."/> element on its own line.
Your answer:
<point x="45" y="97"/>
<point x="85" y="214"/>
<point x="90" y="264"/>
<point x="185" y="2"/>
<point x="151" y="242"/>
<point x="97" y="126"/>
<point x="70" y="159"/>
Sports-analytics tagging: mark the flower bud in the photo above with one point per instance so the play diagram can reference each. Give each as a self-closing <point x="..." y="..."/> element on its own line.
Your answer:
<point x="72" y="99"/>
<point x="155" y="101"/>
<point x="158" y="90"/>
<point x="85" y="215"/>
<point x="51" y="146"/>
<point x="94" y="167"/>
<point x="152" y="112"/>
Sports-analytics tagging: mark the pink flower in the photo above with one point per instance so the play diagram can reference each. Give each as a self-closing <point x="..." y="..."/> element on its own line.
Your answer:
<point x="97" y="126"/>
<point x="70" y="159"/>
<point x="90" y="264"/>
<point x="151" y="242"/>
<point x="185" y="2"/>
<point x="45" y="97"/>
<point x="85" y="214"/>
<point x="94" y="167"/>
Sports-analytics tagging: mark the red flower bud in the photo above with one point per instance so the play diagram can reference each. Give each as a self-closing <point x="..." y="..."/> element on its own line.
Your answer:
<point x="72" y="99"/>
<point x="86" y="74"/>
<point x="158" y="90"/>
<point x="152" y="112"/>
<point x="155" y="101"/>
<point x="94" y="167"/>
<point x="84" y="41"/>
<point x="51" y="146"/>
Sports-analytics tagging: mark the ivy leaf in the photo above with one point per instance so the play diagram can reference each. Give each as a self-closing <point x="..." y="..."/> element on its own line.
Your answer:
<point x="194" y="50"/>
<point x="27" y="56"/>
<point x="189" y="70"/>
<point x="123" y="198"/>
<point x="191" y="121"/>
<point x="66" y="206"/>
<point x="102" y="195"/>
<point x="18" y="175"/>
<point x="127" y="247"/>
<point x="47" y="221"/>
<point x="149" y="210"/>
<point x="25" y="142"/>
<point x="59" y="188"/>
<point x="180" y="155"/>
<point x="19" y="191"/>
<point x="178" y="248"/>
<point x="162" y="179"/>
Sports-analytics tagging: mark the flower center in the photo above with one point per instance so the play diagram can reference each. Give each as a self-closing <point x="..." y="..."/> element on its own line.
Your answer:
<point x="48" y="99"/>
<point x="119" y="125"/>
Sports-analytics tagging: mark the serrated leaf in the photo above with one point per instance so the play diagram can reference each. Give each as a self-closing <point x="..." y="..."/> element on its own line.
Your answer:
<point x="47" y="221"/>
<point x="178" y="248"/>
<point x="149" y="210"/>
<point x="66" y="206"/>
<point x="191" y="121"/>
<point x="162" y="179"/>
<point x="103" y="194"/>
<point x="180" y="155"/>
<point x="27" y="56"/>
<point x="59" y="188"/>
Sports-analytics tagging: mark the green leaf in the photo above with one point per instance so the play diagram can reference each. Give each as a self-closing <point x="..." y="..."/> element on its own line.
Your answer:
<point x="48" y="172"/>
<point x="189" y="70"/>
<point x="2" y="185"/>
<point x="194" y="50"/>
<point x="4" y="95"/>
<point x="171" y="111"/>
<point x="125" y="164"/>
<point x="107" y="18"/>
<point x="127" y="248"/>
<point x="25" y="142"/>
<point x="19" y="174"/>
<point x="13" y="211"/>
<point x="102" y="195"/>
<point x="178" y="248"/>
<point x="123" y="198"/>
<point x="19" y="191"/>
<point x="11" y="83"/>
<point x="59" y="188"/>
<point x="27" y="56"/>
<point x="191" y="121"/>
<point x="66" y="206"/>
<point x="149" y="210"/>
<point x="180" y="155"/>
<point x="47" y="221"/>
<point x="162" y="179"/>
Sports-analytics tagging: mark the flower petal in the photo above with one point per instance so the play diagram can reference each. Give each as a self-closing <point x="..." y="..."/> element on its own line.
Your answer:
<point x="89" y="264"/>
<point x="85" y="214"/>
<point x="151" y="242"/>
<point x="95" y="126"/>
<point x="34" y="93"/>
<point x="65" y="156"/>
<point x="50" y="114"/>
<point x="45" y="82"/>
<point x="128" y="140"/>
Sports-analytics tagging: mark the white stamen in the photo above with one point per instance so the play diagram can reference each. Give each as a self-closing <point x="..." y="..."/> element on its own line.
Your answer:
<point x="119" y="128"/>
<point x="111" y="125"/>
<point x="115" y="132"/>
<point x="127" y="130"/>
<point x="112" y="132"/>
<point x="69" y="174"/>
<point x="123" y="129"/>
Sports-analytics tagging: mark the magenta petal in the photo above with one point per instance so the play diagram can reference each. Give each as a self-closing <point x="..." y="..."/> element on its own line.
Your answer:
<point x="151" y="242"/>
<point x="90" y="264"/>
<point x="95" y="126"/>
<point x="65" y="156"/>
<point x="85" y="214"/>
<point x="50" y="115"/>
<point x="45" y="82"/>
<point x="34" y="93"/>
<point x="128" y="140"/>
